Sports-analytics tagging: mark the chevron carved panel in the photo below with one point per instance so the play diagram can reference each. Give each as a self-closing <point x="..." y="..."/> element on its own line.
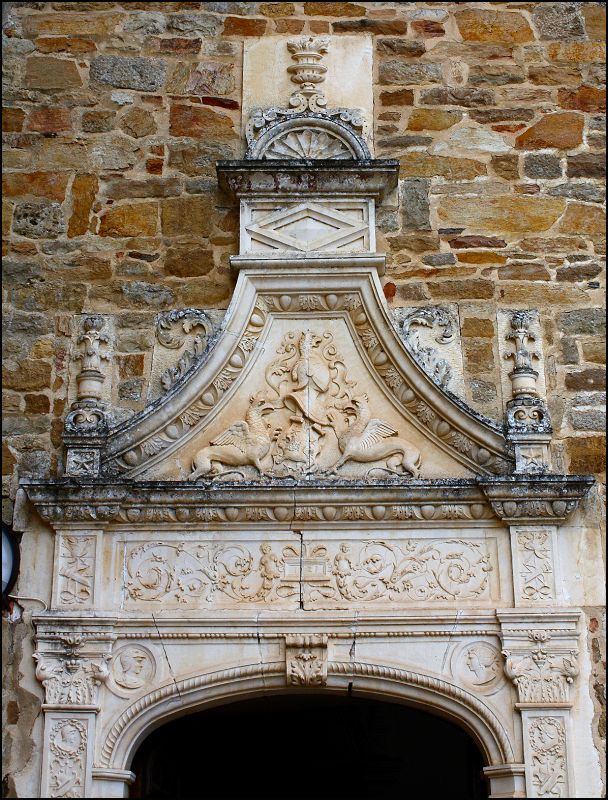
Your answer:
<point x="311" y="226"/>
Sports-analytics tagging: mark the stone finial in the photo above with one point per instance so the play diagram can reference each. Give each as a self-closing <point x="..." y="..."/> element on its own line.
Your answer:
<point x="308" y="71"/>
<point x="527" y="420"/>
<point x="86" y="424"/>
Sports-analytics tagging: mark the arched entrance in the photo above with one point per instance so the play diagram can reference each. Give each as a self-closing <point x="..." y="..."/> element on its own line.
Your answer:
<point x="308" y="746"/>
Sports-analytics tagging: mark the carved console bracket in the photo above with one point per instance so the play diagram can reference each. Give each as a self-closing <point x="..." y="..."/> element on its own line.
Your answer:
<point x="306" y="660"/>
<point x="536" y="499"/>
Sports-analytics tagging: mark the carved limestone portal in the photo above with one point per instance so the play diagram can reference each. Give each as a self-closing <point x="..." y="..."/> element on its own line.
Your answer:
<point x="306" y="505"/>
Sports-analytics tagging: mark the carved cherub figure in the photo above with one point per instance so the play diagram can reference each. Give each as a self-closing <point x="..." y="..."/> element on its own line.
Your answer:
<point x="365" y="440"/>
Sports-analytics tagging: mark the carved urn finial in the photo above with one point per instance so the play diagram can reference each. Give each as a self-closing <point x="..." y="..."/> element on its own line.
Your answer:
<point x="528" y="421"/>
<point x="308" y="71"/>
<point x="91" y="340"/>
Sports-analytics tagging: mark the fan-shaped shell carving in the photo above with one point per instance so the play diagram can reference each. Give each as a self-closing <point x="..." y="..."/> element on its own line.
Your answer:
<point x="308" y="142"/>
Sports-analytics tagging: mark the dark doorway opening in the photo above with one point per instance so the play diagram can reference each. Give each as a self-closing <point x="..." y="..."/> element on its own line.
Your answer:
<point x="310" y="747"/>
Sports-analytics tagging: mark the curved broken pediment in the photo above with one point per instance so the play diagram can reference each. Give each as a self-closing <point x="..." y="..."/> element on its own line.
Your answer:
<point x="309" y="378"/>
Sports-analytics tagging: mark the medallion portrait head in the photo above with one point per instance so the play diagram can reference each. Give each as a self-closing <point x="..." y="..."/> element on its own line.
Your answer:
<point x="132" y="667"/>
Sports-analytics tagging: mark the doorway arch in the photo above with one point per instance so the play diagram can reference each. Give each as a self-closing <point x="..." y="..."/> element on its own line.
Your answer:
<point x="305" y="745"/>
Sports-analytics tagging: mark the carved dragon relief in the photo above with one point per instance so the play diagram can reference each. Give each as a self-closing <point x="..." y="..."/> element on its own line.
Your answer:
<point x="348" y="415"/>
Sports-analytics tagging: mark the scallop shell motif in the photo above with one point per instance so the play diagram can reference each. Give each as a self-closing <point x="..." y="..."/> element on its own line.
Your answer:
<point x="307" y="143"/>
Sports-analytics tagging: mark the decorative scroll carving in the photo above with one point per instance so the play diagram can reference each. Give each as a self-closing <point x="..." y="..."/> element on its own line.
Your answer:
<point x="76" y="569"/>
<point x="172" y="327"/>
<point x="429" y="359"/>
<point x="306" y="660"/>
<point x="536" y="564"/>
<point x="406" y="572"/>
<point x="547" y="736"/>
<point x="68" y="746"/>
<point x="309" y="380"/>
<point x="542" y="676"/>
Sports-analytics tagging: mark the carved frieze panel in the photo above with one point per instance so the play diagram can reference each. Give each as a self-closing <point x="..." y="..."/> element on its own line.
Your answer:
<point x="68" y="746"/>
<point x="546" y="750"/>
<point x="398" y="571"/>
<point x="534" y="564"/>
<point x="315" y="224"/>
<point x="75" y="570"/>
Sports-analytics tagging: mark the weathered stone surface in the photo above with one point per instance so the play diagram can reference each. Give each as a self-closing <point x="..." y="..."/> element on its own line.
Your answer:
<point x="63" y="44"/>
<point x="439" y="259"/>
<point x="522" y="271"/>
<point x="542" y="166"/>
<point x="595" y="20"/>
<point x="277" y="9"/>
<point x="38" y="184"/>
<point x="428" y="29"/>
<point x="477" y="327"/>
<point x="138" y="122"/>
<point x="395" y="144"/>
<point x="185" y="215"/>
<point x="98" y="121"/>
<point x="575" y="273"/>
<point x="585" y="98"/>
<point x="42" y="72"/>
<point x="505" y="213"/>
<point x="236" y="26"/>
<point x="586" y="165"/>
<point x="145" y="23"/>
<point x="563" y="131"/>
<point x="400" y="47"/>
<point x="554" y="75"/>
<point x="403" y="72"/>
<point x="432" y="119"/>
<point x="334" y="10"/>
<point x="38" y="220"/>
<point x="582" y="322"/>
<point x="558" y="21"/>
<point x="120" y="188"/>
<point x="204" y="25"/>
<point x="378" y="27"/>
<point x="495" y="75"/>
<point x="417" y="164"/>
<point x="211" y="78"/>
<point x="594" y="352"/>
<point x="188" y="261"/>
<point x="415" y="204"/>
<point x="462" y="290"/>
<point x="12" y="119"/>
<point x="480" y="25"/>
<point x="31" y="375"/>
<point x="199" y="157"/>
<point x="400" y="97"/>
<point x="588" y="419"/>
<point x="506" y="166"/>
<point x="113" y="152"/>
<point x="49" y="120"/>
<point x="578" y="52"/>
<point x="587" y="454"/>
<point x="140" y="294"/>
<point x="134" y="219"/>
<point x="591" y="379"/>
<point x="583" y="219"/>
<point x="467" y="98"/>
<point x="68" y="24"/>
<point x="476" y="241"/>
<point x="84" y="191"/>
<point x="197" y="122"/>
<point x="145" y="74"/>
<point x="471" y="139"/>
<point x="481" y="257"/>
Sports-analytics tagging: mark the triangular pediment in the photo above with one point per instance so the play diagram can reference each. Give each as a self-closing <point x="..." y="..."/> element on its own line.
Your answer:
<point x="308" y="380"/>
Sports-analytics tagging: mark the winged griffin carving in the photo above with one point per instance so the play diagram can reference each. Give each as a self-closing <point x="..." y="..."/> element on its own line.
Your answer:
<point x="318" y="423"/>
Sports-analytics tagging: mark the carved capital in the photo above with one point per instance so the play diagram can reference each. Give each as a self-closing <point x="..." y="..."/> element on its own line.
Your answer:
<point x="306" y="660"/>
<point x="541" y="673"/>
<point x="69" y="677"/>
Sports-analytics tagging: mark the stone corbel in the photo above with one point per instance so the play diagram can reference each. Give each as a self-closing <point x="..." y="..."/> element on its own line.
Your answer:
<point x="541" y="652"/>
<point x="306" y="660"/>
<point x="86" y="425"/>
